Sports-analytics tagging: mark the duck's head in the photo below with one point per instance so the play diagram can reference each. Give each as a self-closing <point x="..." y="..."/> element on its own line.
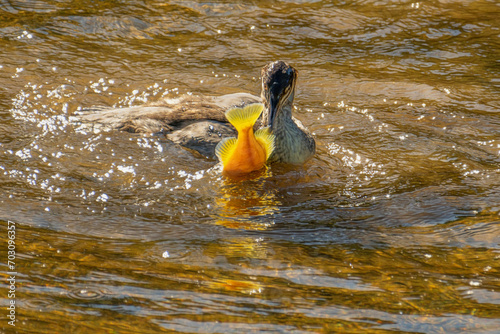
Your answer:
<point x="278" y="89"/>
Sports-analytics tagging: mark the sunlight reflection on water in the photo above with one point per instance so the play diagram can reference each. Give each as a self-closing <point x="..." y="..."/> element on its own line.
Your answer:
<point x="393" y="226"/>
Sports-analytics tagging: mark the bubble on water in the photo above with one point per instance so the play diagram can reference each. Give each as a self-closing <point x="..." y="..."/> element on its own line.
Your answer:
<point x="86" y="294"/>
<point x="474" y="283"/>
<point x="102" y="198"/>
<point x="24" y="154"/>
<point x="126" y="169"/>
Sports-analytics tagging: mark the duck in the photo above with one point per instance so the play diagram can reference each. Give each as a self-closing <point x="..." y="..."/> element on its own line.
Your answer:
<point x="199" y="122"/>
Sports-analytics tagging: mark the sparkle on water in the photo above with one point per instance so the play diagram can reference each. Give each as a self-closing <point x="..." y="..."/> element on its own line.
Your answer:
<point x="392" y="227"/>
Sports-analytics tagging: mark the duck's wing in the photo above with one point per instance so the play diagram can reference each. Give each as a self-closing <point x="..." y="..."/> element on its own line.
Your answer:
<point x="164" y="115"/>
<point x="132" y="119"/>
<point x="239" y="100"/>
<point x="202" y="136"/>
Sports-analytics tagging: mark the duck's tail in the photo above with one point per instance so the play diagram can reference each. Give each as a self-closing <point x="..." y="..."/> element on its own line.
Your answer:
<point x="243" y="119"/>
<point x="266" y="140"/>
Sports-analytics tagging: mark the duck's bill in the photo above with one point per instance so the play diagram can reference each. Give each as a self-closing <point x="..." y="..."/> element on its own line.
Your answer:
<point x="273" y="107"/>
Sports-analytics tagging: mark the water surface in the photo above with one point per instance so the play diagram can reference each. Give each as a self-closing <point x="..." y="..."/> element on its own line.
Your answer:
<point x="392" y="227"/>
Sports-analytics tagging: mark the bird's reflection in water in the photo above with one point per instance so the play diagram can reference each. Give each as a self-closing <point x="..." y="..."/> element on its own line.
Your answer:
<point x="246" y="203"/>
<point x="241" y="253"/>
<point x="232" y="285"/>
<point x="249" y="202"/>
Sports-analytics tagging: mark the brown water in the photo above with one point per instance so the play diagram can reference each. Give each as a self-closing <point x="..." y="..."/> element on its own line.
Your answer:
<point x="392" y="227"/>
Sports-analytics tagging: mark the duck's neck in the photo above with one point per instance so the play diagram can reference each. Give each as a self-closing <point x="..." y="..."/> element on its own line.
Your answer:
<point x="283" y="114"/>
<point x="292" y="144"/>
<point x="283" y="119"/>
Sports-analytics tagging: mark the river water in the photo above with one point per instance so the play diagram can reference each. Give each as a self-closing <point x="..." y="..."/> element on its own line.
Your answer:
<point x="392" y="227"/>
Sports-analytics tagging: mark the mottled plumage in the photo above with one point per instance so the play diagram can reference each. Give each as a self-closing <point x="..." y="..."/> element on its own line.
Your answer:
<point x="293" y="142"/>
<point x="199" y="122"/>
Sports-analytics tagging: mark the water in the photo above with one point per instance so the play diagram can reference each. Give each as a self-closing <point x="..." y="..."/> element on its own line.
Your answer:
<point x="392" y="227"/>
